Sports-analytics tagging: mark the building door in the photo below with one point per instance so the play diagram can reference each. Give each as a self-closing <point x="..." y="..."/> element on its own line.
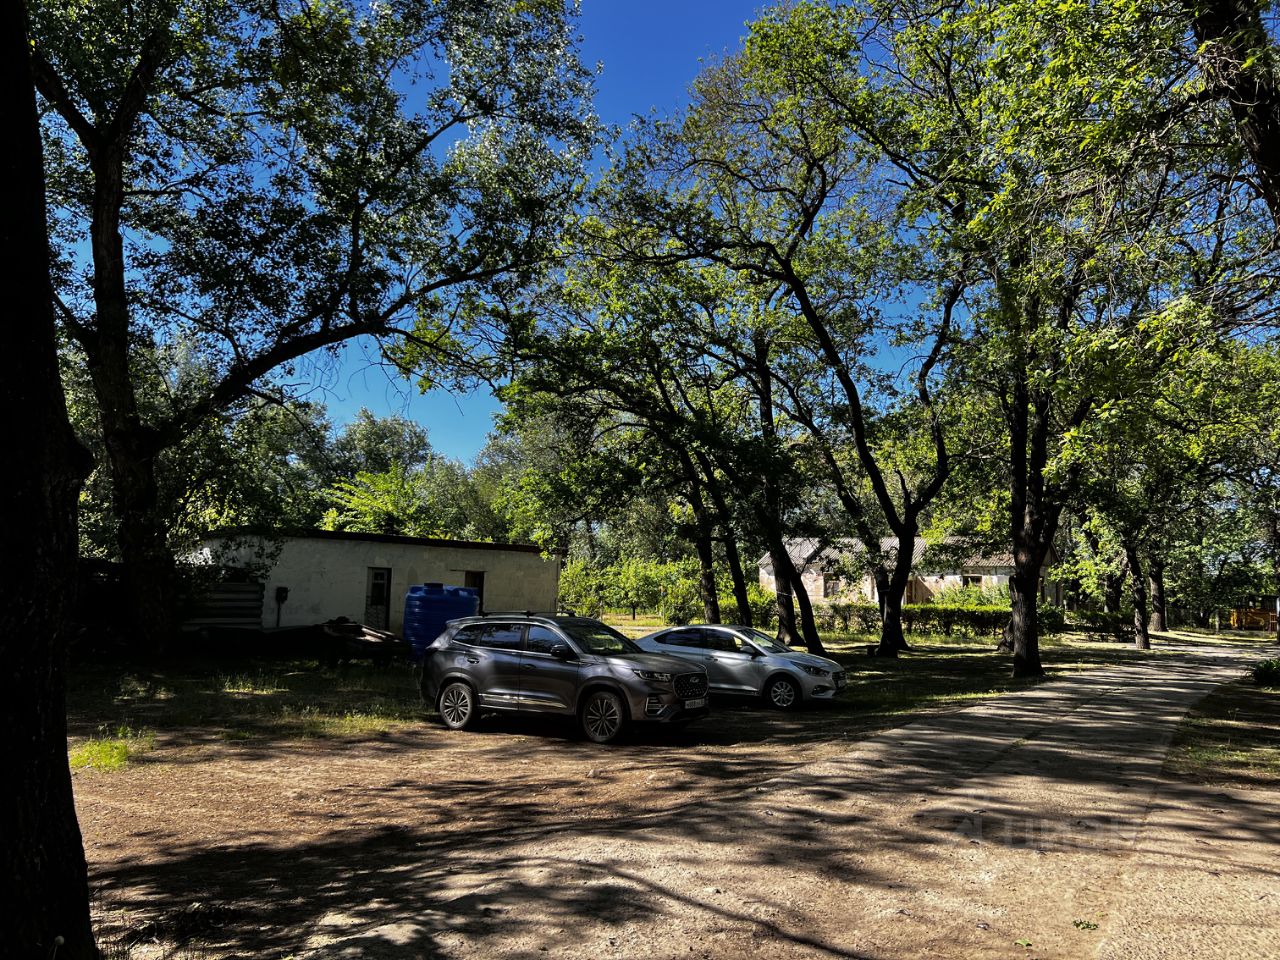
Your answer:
<point x="377" y="598"/>
<point x="475" y="580"/>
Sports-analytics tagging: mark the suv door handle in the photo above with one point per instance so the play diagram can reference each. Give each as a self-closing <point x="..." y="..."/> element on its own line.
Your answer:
<point x="528" y="666"/>
<point x="473" y="659"/>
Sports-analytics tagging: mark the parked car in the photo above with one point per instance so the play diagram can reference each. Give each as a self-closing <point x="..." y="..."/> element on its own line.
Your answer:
<point x="573" y="666"/>
<point x="744" y="660"/>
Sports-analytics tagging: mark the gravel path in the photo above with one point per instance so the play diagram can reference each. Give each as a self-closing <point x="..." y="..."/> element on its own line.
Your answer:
<point x="1031" y="825"/>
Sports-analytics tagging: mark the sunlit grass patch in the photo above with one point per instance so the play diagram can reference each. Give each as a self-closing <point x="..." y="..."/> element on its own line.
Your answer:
<point x="112" y="750"/>
<point x="261" y="681"/>
<point x="377" y="717"/>
<point x="1233" y="735"/>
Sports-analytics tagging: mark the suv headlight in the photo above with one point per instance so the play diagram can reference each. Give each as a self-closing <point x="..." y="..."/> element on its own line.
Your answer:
<point x="654" y="675"/>
<point x="815" y="671"/>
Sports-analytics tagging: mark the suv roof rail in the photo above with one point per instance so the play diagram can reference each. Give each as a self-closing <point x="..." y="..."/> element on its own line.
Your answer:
<point x="517" y="613"/>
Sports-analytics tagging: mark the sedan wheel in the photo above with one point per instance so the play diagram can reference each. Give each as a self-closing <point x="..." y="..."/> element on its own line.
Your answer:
<point x="602" y="717"/>
<point x="457" y="706"/>
<point x="783" y="693"/>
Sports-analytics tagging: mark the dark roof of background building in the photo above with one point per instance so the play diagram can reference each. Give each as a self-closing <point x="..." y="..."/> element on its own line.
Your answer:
<point x="311" y="534"/>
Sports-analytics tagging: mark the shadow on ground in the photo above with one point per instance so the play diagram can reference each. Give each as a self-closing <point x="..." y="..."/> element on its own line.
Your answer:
<point x="519" y="833"/>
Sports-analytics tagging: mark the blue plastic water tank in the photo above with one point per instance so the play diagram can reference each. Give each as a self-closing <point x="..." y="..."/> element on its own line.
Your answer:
<point x="429" y="606"/>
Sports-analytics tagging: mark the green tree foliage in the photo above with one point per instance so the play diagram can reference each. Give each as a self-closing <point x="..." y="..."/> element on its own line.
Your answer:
<point x="371" y="444"/>
<point x="261" y="182"/>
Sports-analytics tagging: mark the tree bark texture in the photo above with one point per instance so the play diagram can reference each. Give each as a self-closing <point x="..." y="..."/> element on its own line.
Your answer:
<point x="782" y="571"/>
<point x="808" y="626"/>
<point x="1237" y="57"/>
<point x="1112" y="592"/>
<point x="706" y="565"/>
<point x="892" y="638"/>
<point x="132" y="447"/>
<point x="733" y="559"/>
<point x="1159" y="605"/>
<point x="1141" y="638"/>
<point x="1024" y="627"/>
<point x="1028" y="454"/>
<point x="43" y="877"/>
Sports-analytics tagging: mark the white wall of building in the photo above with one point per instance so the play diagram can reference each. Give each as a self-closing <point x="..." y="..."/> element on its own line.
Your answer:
<point x="920" y="589"/>
<point x="328" y="578"/>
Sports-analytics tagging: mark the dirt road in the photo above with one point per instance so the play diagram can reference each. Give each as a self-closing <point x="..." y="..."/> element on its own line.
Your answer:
<point x="1032" y="825"/>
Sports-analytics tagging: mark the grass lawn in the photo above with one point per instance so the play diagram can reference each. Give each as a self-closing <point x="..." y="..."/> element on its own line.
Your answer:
<point x="116" y="710"/>
<point x="1232" y="736"/>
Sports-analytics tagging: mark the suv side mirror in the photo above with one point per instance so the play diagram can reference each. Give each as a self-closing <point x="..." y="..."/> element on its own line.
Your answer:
<point x="562" y="651"/>
<point x="751" y="651"/>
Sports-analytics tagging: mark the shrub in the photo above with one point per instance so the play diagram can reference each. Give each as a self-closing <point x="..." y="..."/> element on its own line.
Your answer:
<point x="1052" y="620"/>
<point x="1118" y="625"/>
<point x="763" y="604"/>
<point x="992" y="595"/>
<point x="682" y="599"/>
<point x="941" y="618"/>
<point x="1267" y="673"/>
<point x="848" y="617"/>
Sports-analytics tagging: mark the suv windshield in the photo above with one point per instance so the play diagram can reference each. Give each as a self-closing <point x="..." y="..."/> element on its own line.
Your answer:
<point x="766" y="642"/>
<point x="595" y="637"/>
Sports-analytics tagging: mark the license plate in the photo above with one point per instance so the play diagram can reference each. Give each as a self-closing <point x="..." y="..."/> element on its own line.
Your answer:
<point x="695" y="704"/>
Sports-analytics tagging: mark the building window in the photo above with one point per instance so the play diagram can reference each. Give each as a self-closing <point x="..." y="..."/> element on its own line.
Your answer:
<point x="377" y="598"/>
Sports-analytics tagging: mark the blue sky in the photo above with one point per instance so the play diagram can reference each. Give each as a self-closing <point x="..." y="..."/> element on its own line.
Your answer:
<point x="649" y="51"/>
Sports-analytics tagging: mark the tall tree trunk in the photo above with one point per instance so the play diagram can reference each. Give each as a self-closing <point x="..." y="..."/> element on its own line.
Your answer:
<point x="150" y="573"/>
<point x="1112" y="592"/>
<point x="43" y="877"/>
<point x="1159" y="607"/>
<point x="1024" y="627"/>
<point x="1238" y="59"/>
<point x="782" y="578"/>
<point x="1275" y="565"/>
<point x="132" y="445"/>
<point x="892" y="639"/>
<point x="706" y="566"/>
<point x="733" y="559"/>
<point x="132" y="449"/>
<point x="1028" y="455"/>
<point x="724" y="520"/>
<point x="880" y="577"/>
<point x="808" y="626"/>
<point x="1141" y="639"/>
<point x="1034" y="516"/>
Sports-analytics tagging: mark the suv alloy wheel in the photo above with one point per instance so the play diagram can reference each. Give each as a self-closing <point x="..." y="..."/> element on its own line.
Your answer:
<point x="457" y="706"/>
<point x="603" y="716"/>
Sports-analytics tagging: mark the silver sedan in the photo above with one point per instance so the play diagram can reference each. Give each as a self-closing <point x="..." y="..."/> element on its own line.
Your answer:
<point x="744" y="660"/>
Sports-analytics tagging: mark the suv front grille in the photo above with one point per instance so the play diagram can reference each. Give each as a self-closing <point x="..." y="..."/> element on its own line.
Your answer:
<point x="691" y="685"/>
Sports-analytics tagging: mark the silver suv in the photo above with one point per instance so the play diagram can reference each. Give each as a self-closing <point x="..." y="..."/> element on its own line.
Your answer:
<point x="560" y="665"/>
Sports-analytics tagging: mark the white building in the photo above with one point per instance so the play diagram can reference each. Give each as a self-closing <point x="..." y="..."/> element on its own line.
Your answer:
<point x="832" y="571"/>
<point x="319" y="575"/>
